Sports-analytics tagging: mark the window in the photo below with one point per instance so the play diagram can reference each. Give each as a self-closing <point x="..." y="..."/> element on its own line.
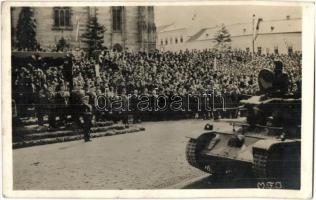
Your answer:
<point x="272" y="28"/>
<point x="117" y="19"/>
<point x="67" y="17"/>
<point x="181" y="39"/>
<point x="62" y="17"/>
<point x="244" y="30"/>
<point x="276" y="50"/>
<point x="176" y="40"/>
<point x="56" y="17"/>
<point x="150" y="8"/>
<point x="161" y="42"/>
<point x="171" y="40"/>
<point x="166" y="42"/>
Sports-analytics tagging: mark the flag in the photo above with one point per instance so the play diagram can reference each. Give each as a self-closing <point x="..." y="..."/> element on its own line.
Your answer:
<point x="77" y="31"/>
<point x="257" y="28"/>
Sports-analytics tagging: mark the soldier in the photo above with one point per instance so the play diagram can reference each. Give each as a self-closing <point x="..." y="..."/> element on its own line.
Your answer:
<point x="280" y="84"/>
<point x="87" y="118"/>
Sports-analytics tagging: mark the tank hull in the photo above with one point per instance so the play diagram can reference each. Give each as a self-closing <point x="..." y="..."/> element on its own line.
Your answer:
<point x="260" y="157"/>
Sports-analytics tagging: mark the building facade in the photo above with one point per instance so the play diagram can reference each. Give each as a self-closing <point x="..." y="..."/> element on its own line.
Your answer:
<point x="281" y="36"/>
<point x="170" y="37"/>
<point x="127" y="28"/>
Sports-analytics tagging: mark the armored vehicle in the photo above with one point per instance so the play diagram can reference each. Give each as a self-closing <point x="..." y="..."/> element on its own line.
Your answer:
<point x="264" y="146"/>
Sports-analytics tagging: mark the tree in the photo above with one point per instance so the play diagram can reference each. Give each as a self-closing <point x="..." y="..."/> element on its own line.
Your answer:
<point x="94" y="36"/>
<point x="26" y="30"/>
<point x="222" y="39"/>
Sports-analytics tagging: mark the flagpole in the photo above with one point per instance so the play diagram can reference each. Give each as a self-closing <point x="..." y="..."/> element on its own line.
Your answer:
<point x="253" y="34"/>
<point x="77" y="30"/>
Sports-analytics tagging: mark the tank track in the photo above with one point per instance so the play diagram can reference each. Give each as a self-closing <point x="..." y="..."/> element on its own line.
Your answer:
<point x="191" y="153"/>
<point x="260" y="163"/>
<point x="281" y="168"/>
<point x="192" y="150"/>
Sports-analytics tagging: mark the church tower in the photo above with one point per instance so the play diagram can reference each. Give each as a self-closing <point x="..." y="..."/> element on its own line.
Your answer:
<point x="146" y="28"/>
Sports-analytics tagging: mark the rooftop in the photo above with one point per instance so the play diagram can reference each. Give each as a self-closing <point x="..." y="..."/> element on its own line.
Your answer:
<point x="239" y="29"/>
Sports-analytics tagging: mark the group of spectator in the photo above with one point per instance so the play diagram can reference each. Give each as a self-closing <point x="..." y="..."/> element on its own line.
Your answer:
<point x="227" y="77"/>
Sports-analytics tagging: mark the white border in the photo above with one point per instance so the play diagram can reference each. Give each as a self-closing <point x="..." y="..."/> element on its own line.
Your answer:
<point x="307" y="114"/>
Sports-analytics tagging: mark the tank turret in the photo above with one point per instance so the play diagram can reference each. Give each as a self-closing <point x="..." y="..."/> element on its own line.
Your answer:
<point x="274" y="109"/>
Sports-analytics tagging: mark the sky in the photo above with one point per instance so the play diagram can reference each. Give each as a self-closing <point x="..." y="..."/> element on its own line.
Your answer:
<point x="211" y="15"/>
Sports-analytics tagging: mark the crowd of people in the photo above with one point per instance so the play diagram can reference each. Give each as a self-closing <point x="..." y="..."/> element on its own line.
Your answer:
<point x="224" y="77"/>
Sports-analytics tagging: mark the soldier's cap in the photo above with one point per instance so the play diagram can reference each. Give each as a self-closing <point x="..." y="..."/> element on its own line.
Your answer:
<point x="278" y="65"/>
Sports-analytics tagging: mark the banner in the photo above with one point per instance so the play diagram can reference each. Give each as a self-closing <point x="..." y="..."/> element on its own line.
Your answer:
<point x="77" y="31"/>
<point x="257" y="28"/>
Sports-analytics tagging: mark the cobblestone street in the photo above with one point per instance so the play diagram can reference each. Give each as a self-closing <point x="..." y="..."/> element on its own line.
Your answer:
<point x="151" y="159"/>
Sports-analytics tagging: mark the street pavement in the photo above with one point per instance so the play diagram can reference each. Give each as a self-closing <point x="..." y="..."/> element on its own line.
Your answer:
<point x="152" y="159"/>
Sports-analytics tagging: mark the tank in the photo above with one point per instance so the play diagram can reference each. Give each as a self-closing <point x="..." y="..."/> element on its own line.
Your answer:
<point x="263" y="147"/>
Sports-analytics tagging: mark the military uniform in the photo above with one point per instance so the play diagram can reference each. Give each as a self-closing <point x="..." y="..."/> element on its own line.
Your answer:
<point x="280" y="84"/>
